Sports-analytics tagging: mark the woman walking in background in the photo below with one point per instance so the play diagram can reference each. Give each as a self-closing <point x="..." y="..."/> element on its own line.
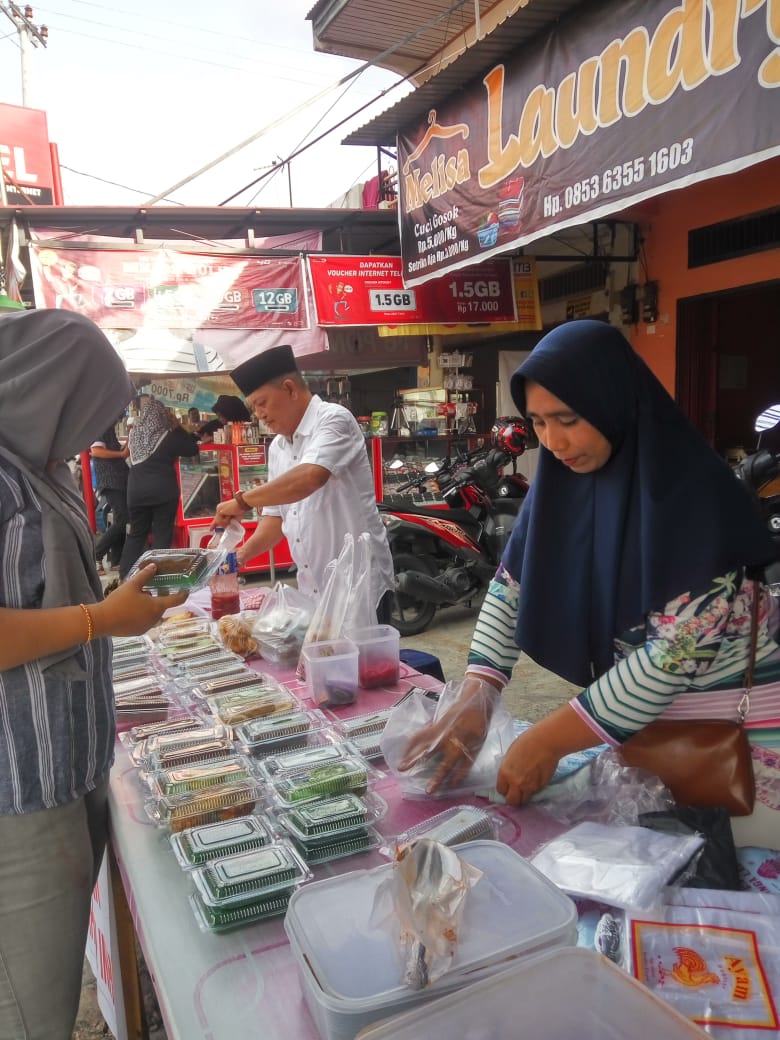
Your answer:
<point x="156" y="441"/>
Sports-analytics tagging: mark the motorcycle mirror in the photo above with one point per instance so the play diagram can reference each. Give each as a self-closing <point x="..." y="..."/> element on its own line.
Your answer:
<point x="433" y="467"/>
<point x="768" y="419"/>
<point x="395" y="464"/>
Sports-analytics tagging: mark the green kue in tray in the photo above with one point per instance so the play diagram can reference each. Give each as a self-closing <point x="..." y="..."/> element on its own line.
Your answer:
<point x="198" y="845"/>
<point x="337" y="848"/>
<point x="327" y="817"/>
<point x="224" y="919"/>
<point x="322" y="781"/>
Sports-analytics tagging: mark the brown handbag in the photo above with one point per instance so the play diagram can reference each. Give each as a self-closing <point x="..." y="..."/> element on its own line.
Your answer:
<point x="703" y="762"/>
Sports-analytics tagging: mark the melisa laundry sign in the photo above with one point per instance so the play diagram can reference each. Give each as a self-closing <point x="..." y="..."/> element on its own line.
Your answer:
<point x="625" y="100"/>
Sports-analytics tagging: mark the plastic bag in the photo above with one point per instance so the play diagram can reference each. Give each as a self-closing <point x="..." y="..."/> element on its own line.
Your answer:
<point x="427" y="888"/>
<point x="622" y="866"/>
<point x="605" y="790"/>
<point x="327" y="622"/>
<point x="235" y="631"/>
<point x="280" y="624"/>
<point x="227" y="538"/>
<point x="361" y="610"/>
<point x="418" y="712"/>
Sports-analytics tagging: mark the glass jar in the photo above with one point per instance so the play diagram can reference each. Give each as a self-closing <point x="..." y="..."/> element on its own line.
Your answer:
<point x="364" y="422"/>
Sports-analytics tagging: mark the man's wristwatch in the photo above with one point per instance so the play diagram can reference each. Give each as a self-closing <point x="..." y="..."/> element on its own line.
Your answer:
<point x="239" y="497"/>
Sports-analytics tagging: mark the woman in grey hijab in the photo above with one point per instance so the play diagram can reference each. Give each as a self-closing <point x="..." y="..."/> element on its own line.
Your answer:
<point x="61" y="384"/>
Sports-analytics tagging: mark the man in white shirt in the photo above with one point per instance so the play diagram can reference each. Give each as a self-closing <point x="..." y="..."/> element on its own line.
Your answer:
<point x="319" y="479"/>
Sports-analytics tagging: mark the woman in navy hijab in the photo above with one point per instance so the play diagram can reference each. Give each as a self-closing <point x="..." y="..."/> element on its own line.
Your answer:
<point x="626" y="573"/>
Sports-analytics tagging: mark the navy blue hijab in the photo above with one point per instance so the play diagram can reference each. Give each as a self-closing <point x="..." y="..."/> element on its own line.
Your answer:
<point x="595" y="552"/>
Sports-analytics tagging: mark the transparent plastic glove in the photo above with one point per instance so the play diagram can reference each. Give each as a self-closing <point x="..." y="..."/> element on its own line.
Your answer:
<point x="451" y="743"/>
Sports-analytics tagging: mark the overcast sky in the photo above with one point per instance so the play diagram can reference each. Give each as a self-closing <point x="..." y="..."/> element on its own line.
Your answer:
<point x="143" y="93"/>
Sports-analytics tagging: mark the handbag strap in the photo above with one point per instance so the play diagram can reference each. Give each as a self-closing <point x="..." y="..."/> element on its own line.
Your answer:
<point x="744" y="704"/>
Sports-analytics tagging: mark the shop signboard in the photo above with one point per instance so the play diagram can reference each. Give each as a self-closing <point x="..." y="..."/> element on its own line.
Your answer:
<point x="623" y="101"/>
<point x="172" y="289"/>
<point x="25" y="158"/>
<point x="369" y="290"/>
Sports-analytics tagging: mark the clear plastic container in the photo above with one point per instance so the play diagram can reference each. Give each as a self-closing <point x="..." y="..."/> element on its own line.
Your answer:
<point x="351" y="968"/>
<point x="241" y="681"/>
<point x="180" y="722"/>
<point x="210" y="748"/>
<point x="277" y="733"/>
<point x="226" y="919"/>
<point x="360" y="725"/>
<point x="237" y="880"/>
<point x="179" y="570"/>
<point x="331" y="672"/>
<point x="145" y="753"/>
<point x="191" y="779"/>
<point x="454" y="826"/>
<point x="599" y="1000"/>
<point x="350" y="843"/>
<point x="305" y="759"/>
<point x="211" y="805"/>
<point x="242" y="706"/>
<point x="322" y="781"/>
<point x="311" y="739"/>
<point x="198" y="845"/>
<point x="379" y="660"/>
<point x="332" y="817"/>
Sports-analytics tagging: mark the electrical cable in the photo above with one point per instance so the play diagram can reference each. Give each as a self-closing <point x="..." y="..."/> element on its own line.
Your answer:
<point x="344" y="79"/>
<point x="114" y="184"/>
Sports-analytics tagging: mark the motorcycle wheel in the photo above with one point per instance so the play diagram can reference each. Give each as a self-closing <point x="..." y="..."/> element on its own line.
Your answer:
<point x="409" y="615"/>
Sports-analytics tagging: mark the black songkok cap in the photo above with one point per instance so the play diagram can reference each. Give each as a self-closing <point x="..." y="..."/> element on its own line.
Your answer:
<point x="271" y="364"/>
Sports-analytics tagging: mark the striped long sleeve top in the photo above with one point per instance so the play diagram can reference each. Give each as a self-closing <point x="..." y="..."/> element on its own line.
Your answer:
<point x="697" y="643"/>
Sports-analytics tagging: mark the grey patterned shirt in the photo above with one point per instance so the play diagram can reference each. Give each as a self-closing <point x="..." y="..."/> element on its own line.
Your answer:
<point x="56" y="726"/>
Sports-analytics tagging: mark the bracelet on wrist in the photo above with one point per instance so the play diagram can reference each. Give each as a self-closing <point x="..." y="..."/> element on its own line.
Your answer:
<point x="90" y="623"/>
<point x="239" y="497"/>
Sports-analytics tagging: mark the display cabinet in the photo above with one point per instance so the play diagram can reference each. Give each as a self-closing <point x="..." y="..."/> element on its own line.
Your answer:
<point x="209" y="478"/>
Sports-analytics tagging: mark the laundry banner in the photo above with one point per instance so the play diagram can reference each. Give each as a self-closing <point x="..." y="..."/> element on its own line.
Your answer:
<point x="370" y="290"/>
<point x="171" y="289"/>
<point x="625" y="100"/>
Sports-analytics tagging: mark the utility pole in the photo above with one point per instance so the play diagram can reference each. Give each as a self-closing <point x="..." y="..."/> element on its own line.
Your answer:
<point x="30" y="35"/>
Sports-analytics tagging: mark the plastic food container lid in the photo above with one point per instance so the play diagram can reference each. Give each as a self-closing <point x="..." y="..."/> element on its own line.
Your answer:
<point x="215" y="687"/>
<point x="258" y="734"/>
<point x="361" y="725"/>
<point x="305" y="759"/>
<point x="512" y="910"/>
<point x="234" y="880"/>
<point x="458" y="824"/>
<point x="198" y="845"/>
<point x="193" y="778"/>
<point x="601" y="1000"/>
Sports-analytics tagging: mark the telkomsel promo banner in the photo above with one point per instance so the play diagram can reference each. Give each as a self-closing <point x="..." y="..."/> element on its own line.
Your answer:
<point x="628" y="99"/>
<point x="168" y="289"/>
<point x="369" y="290"/>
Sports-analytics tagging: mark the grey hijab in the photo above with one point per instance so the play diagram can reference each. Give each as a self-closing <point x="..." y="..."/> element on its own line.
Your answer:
<point x="61" y="385"/>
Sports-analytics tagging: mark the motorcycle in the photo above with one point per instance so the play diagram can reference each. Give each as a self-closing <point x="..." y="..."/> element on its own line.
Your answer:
<point x="444" y="557"/>
<point x="761" y="474"/>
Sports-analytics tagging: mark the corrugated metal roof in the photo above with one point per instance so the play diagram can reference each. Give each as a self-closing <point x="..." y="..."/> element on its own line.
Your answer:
<point x="344" y="230"/>
<point x="520" y="28"/>
<point x="366" y="28"/>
